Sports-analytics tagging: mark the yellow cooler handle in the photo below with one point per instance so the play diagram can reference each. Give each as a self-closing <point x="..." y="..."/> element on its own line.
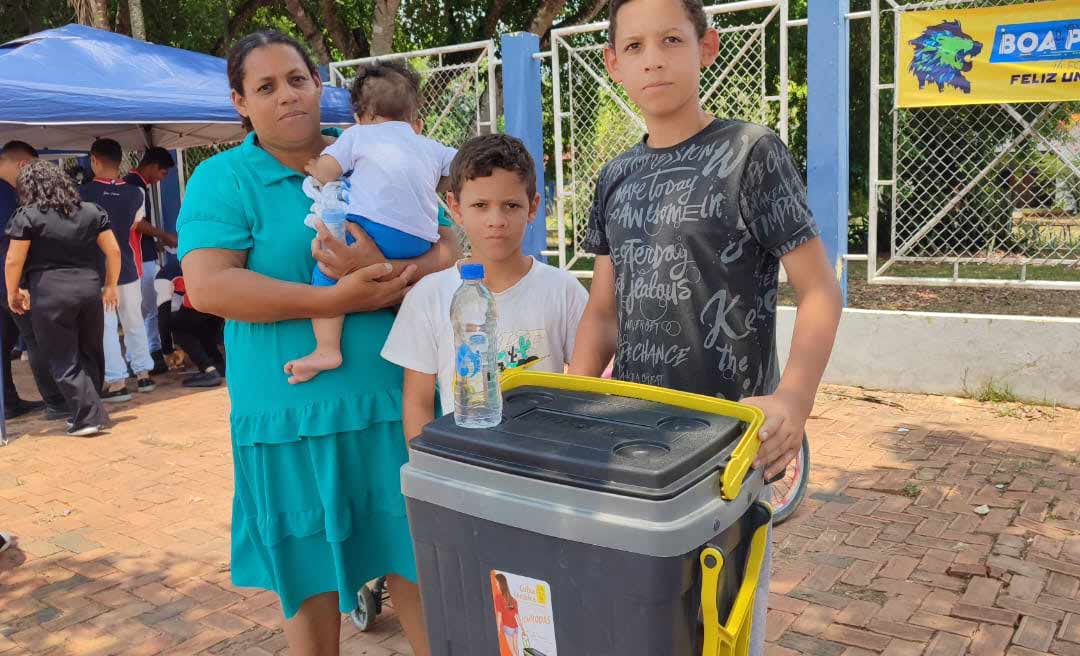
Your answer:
<point x="742" y="458"/>
<point x="733" y="637"/>
<point x="712" y="562"/>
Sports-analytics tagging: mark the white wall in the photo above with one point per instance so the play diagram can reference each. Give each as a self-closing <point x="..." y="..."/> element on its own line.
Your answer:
<point x="950" y="353"/>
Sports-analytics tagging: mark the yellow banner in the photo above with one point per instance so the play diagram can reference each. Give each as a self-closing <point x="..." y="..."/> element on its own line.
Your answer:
<point x="1012" y="54"/>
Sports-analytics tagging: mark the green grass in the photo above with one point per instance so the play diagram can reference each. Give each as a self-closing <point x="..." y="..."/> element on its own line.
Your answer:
<point x="911" y="490"/>
<point x="993" y="391"/>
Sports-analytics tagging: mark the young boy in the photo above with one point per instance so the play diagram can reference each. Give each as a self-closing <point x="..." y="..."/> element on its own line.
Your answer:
<point x="689" y="229"/>
<point x="493" y="198"/>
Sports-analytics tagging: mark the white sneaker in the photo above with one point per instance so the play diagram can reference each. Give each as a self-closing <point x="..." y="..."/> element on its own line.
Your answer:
<point x="9" y="541"/>
<point x="83" y="431"/>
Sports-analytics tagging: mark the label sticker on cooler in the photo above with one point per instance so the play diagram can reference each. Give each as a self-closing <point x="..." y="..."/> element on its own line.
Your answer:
<point x="523" y="615"/>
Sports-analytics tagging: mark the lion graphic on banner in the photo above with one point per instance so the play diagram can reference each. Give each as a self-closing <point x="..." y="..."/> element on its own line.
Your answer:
<point x="943" y="53"/>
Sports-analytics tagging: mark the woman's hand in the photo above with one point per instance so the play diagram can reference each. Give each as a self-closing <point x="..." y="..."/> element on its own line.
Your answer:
<point x="19" y="302"/>
<point x="110" y="297"/>
<point x="339" y="260"/>
<point x="363" y="291"/>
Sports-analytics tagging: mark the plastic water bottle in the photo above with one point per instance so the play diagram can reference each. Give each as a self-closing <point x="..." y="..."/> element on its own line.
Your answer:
<point x="477" y="397"/>
<point x="334" y="206"/>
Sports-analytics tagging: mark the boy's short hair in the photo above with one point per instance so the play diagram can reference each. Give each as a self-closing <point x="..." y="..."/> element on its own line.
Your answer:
<point x="482" y="155"/>
<point x="107" y="150"/>
<point x="695" y="11"/>
<point x="15" y="148"/>
<point x="159" y="157"/>
<point x="390" y="89"/>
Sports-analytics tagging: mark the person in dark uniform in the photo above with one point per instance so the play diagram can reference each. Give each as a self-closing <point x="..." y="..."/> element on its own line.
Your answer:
<point x="125" y="206"/>
<point x="54" y="241"/>
<point x="152" y="169"/>
<point x="13" y="156"/>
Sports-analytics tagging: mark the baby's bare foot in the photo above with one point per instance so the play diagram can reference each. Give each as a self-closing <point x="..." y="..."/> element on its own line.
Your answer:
<point x="311" y="365"/>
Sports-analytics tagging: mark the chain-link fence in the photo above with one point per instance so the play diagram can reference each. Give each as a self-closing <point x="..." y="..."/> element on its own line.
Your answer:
<point x="972" y="194"/>
<point x="594" y="120"/>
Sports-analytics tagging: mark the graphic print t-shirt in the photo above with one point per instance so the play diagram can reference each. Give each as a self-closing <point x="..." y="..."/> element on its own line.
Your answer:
<point x="695" y="233"/>
<point x="537" y="323"/>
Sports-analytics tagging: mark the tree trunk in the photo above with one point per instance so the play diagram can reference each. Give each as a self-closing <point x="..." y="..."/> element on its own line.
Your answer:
<point x="494" y="15"/>
<point x="100" y="9"/>
<point x="308" y="28"/>
<point x="239" y="20"/>
<point x="384" y="26"/>
<point x="341" y="37"/>
<point x="584" y="15"/>
<point x="123" y="19"/>
<point x="138" y="27"/>
<point x="547" y="13"/>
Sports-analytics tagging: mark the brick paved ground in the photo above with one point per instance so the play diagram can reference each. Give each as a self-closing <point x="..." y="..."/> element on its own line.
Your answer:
<point x="124" y="538"/>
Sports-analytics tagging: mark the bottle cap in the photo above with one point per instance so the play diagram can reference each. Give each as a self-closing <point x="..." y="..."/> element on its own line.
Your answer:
<point x="472" y="271"/>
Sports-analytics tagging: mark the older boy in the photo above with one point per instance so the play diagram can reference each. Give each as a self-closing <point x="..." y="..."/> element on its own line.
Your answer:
<point x="689" y="229"/>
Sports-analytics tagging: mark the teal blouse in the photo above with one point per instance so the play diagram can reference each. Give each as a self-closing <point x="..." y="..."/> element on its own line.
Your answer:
<point x="244" y="199"/>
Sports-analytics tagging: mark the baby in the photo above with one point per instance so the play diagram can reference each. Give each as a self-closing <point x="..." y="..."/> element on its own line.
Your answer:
<point x="392" y="189"/>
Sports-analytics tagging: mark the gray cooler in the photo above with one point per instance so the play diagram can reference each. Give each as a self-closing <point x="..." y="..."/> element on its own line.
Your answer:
<point x="587" y="518"/>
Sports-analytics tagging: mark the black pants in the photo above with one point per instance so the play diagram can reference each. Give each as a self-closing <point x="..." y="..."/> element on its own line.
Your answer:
<point x="198" y="334"/>
<point x="164" y="318"/>
<point x="15" y="325"/>
<point x="69" y="322"/>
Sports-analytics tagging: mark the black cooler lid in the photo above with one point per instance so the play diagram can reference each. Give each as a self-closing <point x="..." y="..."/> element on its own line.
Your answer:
<point x="590" y="440"/>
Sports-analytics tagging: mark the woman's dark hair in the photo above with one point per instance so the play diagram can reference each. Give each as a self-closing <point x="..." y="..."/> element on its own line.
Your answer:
<point x="390" y="89"/>
<point x="43" y="185"/>
<point x="482" y="155"/>
<point x="238" y="55"/>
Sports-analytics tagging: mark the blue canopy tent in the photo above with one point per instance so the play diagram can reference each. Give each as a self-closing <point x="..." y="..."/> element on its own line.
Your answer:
<point x="65" y="87"/>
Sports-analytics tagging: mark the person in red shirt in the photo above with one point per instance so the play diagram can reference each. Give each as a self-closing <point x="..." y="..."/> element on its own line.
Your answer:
<point x="154" y="167"/>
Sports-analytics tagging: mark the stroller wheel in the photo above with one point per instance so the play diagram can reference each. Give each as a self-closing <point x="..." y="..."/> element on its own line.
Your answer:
<point x="366" y="609"/>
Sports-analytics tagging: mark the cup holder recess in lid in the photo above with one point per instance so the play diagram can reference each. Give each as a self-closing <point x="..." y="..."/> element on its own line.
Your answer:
<point x="641" y="449"/>
<point x="682" y="424"/>
<point x="531" y="398"/>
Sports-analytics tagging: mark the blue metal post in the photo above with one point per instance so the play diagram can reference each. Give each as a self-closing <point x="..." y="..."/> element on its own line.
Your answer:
<point x="827" y="161"/>
<point x="525" y="118"/>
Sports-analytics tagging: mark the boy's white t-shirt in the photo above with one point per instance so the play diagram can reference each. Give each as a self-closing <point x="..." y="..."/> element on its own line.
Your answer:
<point x="537" y="323"/>
<point x="395" y="174"/>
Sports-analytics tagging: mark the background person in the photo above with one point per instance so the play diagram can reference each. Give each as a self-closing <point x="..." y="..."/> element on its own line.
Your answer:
<point x="13" y="156"/>
<point x="55" y="238"/>
<point x="154" y="167"/>
<point x="198" y="334"/>
<point x="126" y="207"/>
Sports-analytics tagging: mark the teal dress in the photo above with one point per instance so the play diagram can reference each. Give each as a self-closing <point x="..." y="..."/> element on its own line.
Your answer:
<point x="317" y="505"/>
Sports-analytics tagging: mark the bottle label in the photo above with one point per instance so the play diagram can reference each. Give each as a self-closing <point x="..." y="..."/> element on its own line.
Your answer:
<point x="470" y="362"/>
